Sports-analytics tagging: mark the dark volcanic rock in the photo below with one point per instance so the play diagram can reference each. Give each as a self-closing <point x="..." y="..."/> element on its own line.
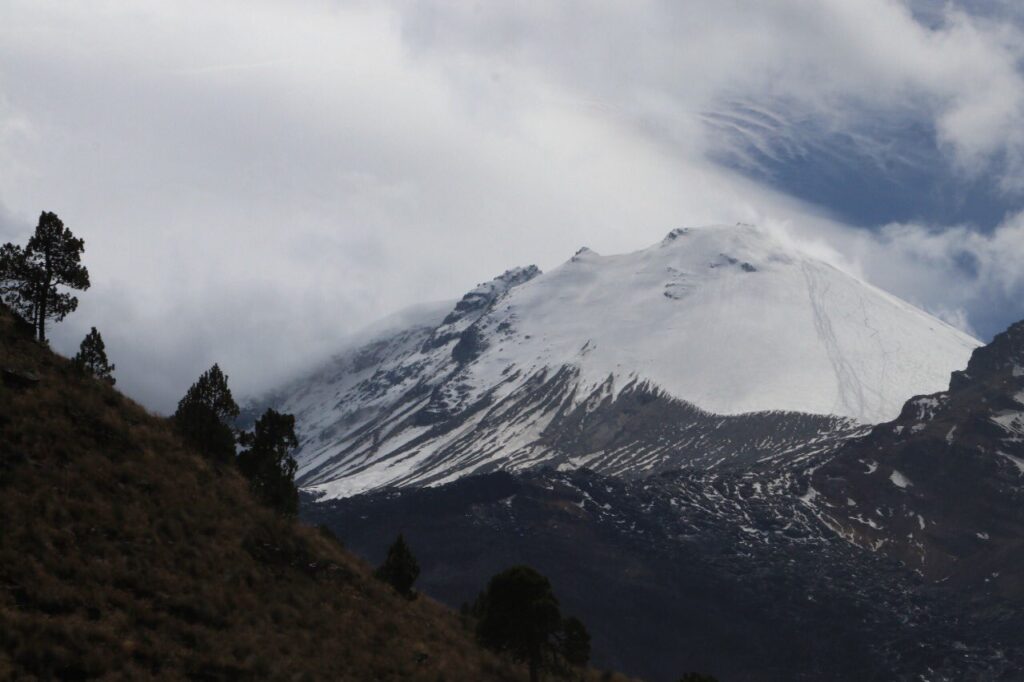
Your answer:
<point x="942" y="486"/>
<point x="679" y="573"/>
<point x="473" y="305"/>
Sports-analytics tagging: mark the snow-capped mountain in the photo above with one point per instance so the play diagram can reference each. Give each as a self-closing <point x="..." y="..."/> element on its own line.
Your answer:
<point x="712" y="347"/>
<point x="900" y="549"/>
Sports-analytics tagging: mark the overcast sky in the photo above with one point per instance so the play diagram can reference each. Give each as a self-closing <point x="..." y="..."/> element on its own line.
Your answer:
<point x="256" y="181"/>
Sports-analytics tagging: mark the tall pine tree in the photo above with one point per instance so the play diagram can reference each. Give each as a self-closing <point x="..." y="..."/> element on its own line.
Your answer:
<point x="33" y="279"/>
<point x="92" y="357"/>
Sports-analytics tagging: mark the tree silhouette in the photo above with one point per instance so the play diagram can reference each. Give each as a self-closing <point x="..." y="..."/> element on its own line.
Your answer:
<point x="203" y="416"/>
<point x="574" y="642"/>
<point x="30" y="277"/>
<point x="400" y="569"/>
<point x="268" y="463"/>
<point x="92" y="357"/>
<point x="519" y="614"/>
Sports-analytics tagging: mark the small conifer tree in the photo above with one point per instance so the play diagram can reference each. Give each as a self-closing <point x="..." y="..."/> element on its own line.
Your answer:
<point x="268" y="463"/>
<point x="400" y="569"/>
<point x="204" y="415"/>
<point x="92" y="357"/>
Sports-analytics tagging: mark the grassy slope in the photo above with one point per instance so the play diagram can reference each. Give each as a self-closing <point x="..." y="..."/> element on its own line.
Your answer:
<point x="124" y="555"/>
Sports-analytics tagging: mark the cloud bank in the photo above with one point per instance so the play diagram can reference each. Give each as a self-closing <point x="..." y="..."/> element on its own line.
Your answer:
<point x="256" y="181"/>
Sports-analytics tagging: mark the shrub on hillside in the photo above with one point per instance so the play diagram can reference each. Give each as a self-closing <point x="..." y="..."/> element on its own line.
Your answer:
<point x="400" y="569"/>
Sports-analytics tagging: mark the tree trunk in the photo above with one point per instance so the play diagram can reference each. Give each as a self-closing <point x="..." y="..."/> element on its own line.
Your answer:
<point x="44" y="293"/>
<point x="41" y="314"/>
<point x="534" y="669"/>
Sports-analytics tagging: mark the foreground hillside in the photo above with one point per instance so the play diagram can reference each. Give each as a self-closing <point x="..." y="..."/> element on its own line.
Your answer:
<point x="122" y="555"/>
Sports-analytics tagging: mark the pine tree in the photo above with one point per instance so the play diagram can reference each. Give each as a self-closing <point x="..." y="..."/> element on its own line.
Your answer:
<point x="400" y="569"/>
<point x="17" y="283"/>
<point x="30" y="276"/>
<point x="574" y="642"/>
<point x="92" y="357"/>
<point x="520" y="615"/>
<point x="268" y="463"/>
<point x="204" y="415"/>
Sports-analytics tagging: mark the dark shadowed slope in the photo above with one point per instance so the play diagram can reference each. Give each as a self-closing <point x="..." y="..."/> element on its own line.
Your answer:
<point x="124" y="556"/>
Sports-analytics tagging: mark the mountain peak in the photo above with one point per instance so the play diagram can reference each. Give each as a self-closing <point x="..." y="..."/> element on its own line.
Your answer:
<point x="724" y="320"/>
<point x="674" y="235"/>
<point x="583" y="253"/>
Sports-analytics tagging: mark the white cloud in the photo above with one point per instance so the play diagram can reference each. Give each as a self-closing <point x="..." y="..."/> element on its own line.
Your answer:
<point x="256" y="180"/>
<point x="664" y="62"/>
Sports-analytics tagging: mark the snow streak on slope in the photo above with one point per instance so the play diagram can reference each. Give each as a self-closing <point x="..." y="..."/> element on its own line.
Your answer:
<point x="558" y="368"/>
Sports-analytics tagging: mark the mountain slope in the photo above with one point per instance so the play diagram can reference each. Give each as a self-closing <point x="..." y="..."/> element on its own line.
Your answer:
<point x="894" y="554"/>
<point x="942" y="486"/>
<point x="709" y="330"/>
<point x="731" y="574"/>
<point x="123" y="555"/>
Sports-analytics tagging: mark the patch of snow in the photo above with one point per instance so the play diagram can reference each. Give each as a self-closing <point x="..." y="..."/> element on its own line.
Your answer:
<point x="1009" y="421"/>
<point x="1016" y="460"/>
<point x="899" y="480"/>
<point x="867" y="522"/>
<point x="809" y="496"/>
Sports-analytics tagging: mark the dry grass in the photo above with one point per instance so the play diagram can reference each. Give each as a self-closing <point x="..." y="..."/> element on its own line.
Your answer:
<point x="125" y="556"/>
